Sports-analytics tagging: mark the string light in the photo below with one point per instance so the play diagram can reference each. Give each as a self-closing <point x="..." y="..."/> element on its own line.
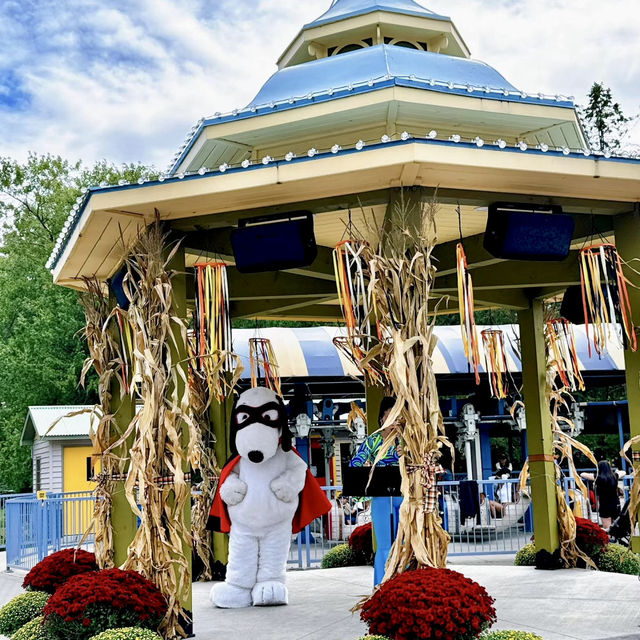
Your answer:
<point x="266" y="160"/>
<point x="385" y="138"/>
<point x="479" y="142"/>
<point x="543" y="147"/>
<point x="432" y="134"/>
<point x="522" y="145"/>
<point x="336" y="148"/>
<point x="455" y="138"/>
<point x="501" y="143"/>
<point x="312" y="152"/>
<point x="202" y="171"/>
<point x="405" y="135"/>
<point x="246" y="163"/>
<point x="360" y="145"/>
<point x="290" y="156"/>
<point x="223" y="167"/>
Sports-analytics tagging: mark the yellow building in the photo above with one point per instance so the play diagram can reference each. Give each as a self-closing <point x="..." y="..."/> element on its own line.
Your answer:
<point x="61" y="447"/>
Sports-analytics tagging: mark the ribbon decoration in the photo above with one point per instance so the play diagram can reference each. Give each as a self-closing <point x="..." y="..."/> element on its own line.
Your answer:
<point x="429" y="470"/>
<point x="466" y="307"/>
<point x="496" y="361"/>
<point x="605" y="299"/>
<point x="350" y="268"/>
<point x="262" y="356"/>
<point x="564" y="356"/>
<point x="212" y="324"/>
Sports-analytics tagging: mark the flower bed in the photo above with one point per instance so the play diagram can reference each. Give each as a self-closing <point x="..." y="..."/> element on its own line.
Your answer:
<point x="429" y="603"/>
<point x="340" y="556"/>
<point x="33" y="630"/>
<point x="361" y="543"/>
<point x="56" y="569"/>
<point x="93" y="602"/>
<point x="616" y="558"/>
<point x="22" y="609"/>
<point x="127" y="633"/>
<point x="590" y="537"/>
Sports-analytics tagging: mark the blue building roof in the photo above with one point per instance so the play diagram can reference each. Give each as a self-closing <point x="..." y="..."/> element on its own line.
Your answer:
<point x="343" y="9"/>
<point x="377" y="62"/>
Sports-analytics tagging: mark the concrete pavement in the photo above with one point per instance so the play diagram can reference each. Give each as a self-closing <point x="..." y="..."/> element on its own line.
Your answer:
<point x="558" y="605"/>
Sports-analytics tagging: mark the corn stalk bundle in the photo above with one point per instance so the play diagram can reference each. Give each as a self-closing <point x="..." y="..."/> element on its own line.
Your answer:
<point x="106" y="357"/>
<point x="401" y="275"/>
<point x="563" y="354"/>
<point x="374" y="370"/>
<point x="496" y="362"/>
<point x="212" y="324"/>
<point x="605" y="298"/>
<point x="558" y="399"/>
<point x="262" y="358"/>
<point x="202" y="458"/>
<point x="467" y="310"/>
<point x="634" y="496"/>
<point x="156" y="487"/>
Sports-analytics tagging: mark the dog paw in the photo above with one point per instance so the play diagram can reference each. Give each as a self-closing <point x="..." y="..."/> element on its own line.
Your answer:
<point x="228" y="596"/>
<point x="283" y="490"/>
<point x="269" y="594"/>
<point x="233" y="490"/>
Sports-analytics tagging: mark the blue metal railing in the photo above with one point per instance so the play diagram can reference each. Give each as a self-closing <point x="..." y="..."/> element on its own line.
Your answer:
<point x="3" y="516"/>
<point x="36" y="528"/>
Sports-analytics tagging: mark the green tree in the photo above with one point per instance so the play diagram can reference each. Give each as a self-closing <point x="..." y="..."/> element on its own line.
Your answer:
<point x="40" y="349"/>
<point x="604" y="121"/>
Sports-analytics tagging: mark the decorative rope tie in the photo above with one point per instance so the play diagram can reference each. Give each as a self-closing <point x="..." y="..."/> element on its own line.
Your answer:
<point x="160" y="481"/>
<point x="429" y="470"/>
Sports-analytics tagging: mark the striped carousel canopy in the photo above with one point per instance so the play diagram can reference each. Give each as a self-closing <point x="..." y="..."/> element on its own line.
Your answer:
<point x="310" y="352"/>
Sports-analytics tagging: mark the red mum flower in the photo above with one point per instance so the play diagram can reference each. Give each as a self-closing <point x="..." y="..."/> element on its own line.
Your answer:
<point x="361" y="543"/>
<point x="54" y="570"/>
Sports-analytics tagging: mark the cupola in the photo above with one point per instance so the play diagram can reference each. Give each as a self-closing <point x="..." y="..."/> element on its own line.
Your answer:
<point x="350" y="25"/>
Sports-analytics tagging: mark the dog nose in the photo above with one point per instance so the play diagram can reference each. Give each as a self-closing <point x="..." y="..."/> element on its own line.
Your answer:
<point x="256" y="456"/>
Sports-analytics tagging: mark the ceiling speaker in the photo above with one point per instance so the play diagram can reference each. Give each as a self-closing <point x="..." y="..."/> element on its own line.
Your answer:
<point x="528" y="232"/>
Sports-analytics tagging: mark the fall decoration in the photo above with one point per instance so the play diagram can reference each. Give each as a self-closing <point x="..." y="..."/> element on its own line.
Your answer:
<point x="562" y="353"/>
<point x="264" y="365"/>
<point x="591" y="538"/>
<point x="54" y="570"/>
<point x="429" y="603"/>
<point x="361" y="543"/>
<point x="22" y="609"/>
<point x="467" y="311"/>
<point x="496" y="359"/>
<point x="93" y="602"/>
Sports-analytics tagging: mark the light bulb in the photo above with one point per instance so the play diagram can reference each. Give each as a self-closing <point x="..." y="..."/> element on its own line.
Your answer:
<point x="523" y="94"/>
<point x="360" y="145"/>
<point x="266" y="160"/>
<point x="469" y="88"/>
<point x="223" y="167"/>
<point x="385" y="138"/>
<point x="246" y="163"/>
<point x="607" y="154"/>
<point x="544" y="147"/>
<point x="160" y="178"/>
<point x="455" y="138"/>
<point x="405" y="135"/>
<point x="501" y="143"/>
<point x="181" y="176"/>
<point x="432" y="134"/>
<point x="566" y="151"/>
<point x="140" y="180"/>
<point x="370" y="83"/>
<point x="586" y="152"/>
<point x="522" y="145"/>
<point x="336" y="148"/>
<point x="479" y="142"/>
<point x="121" y="182"/>
<point x="312" y="152"/>
<point x="202" y="171"/>
<point x="450" y="85"/>
<point x="290" y="156"/>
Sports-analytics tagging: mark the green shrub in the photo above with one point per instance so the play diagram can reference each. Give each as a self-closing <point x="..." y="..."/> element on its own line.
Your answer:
<point x="127" y="633"/>
<point x="340" y="556"/>
<point x="22" y="609"/>
<point x="510" y="635"/>
<point x="526" y="557"/>
<point x="32" y="631"/>
<point x="618" y="559"/>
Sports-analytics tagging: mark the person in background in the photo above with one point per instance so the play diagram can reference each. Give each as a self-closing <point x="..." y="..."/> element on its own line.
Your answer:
<point x="607" y="493"/>
<point x="503" y="466"/>
<point x="382" y="509"/>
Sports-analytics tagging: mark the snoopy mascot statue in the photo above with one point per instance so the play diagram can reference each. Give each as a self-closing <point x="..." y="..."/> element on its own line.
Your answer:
<point x="265" y="493"/>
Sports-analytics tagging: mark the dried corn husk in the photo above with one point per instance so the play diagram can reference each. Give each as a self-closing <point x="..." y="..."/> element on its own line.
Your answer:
<point x="634" y="497"/>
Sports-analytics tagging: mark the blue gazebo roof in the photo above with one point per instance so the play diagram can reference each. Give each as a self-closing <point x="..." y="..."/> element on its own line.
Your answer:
<point x="375" y="63"/>
<point x="343" y="9"/>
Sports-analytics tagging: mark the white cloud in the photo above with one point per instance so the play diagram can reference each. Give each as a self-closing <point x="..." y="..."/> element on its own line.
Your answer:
<point x="125" y="81"/>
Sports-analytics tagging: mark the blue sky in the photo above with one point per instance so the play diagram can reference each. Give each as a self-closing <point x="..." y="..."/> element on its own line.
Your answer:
<point x="126" y="80"/>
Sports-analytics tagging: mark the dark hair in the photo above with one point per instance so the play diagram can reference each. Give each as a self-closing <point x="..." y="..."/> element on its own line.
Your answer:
<point x="387" y="403"/>
<point x="606" y="477"/>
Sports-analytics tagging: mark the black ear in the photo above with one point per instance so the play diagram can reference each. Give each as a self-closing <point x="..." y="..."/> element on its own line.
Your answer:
<point x="285" y="440"/>
<point x="233" y="429"/>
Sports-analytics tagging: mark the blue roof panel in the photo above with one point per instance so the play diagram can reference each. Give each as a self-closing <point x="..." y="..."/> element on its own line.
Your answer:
<point x="380" y="61"/>
<point x="343" y="9"/>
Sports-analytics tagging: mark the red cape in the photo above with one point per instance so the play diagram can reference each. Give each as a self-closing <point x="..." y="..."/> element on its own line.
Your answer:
<point x="312" y="502"/>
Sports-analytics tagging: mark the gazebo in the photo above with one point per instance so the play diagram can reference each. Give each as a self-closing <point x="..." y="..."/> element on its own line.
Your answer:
<point x="374" y="101"/>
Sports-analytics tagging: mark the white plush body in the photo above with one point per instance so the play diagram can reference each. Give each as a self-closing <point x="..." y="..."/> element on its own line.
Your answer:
<point x="261" y="498"/>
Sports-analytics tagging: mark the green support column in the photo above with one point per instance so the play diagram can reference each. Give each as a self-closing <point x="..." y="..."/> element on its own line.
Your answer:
<point x="123" y="521"/>
<point x="539" y="434"/>
<point x="220" y="413"/>
<point x="373" y="394"/>
<point x="627" y="230"/>
<point x="179" y="359"/>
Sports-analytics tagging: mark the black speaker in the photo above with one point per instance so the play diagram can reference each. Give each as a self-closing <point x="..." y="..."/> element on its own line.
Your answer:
<point x="115" y="284"/>
<point x="571" y="307"/>
<point x="528" y="232"/>
<point x="272" y="244"/>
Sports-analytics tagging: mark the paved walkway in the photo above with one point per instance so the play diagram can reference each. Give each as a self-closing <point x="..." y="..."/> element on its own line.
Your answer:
<point x="558" y="605"/>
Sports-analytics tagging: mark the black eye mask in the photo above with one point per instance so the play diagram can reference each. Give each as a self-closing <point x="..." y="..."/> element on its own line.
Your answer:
<point x="259" y="414"/>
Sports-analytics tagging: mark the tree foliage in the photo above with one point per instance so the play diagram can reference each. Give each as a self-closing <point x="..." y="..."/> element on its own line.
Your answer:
<point x="40" y="349"/>
<point x="604" y="121"/>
